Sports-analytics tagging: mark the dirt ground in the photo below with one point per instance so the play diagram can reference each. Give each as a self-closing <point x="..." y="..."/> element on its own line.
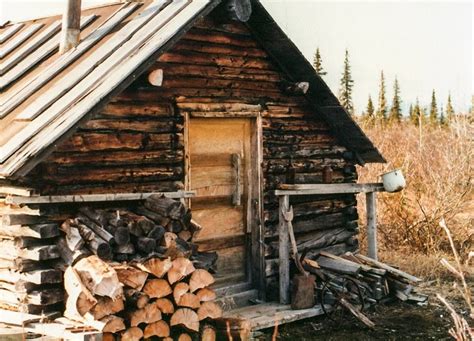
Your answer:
<point x="394" y="321"/>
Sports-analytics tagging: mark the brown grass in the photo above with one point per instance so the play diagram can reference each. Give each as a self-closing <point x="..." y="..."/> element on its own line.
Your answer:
<point x="438" y="165"/>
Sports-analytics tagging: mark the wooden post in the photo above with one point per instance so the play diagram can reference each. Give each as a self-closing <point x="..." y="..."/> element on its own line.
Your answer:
<point x="70" y="30"/>
<point x="371" y="224"/>
<point x="284" y="252"/>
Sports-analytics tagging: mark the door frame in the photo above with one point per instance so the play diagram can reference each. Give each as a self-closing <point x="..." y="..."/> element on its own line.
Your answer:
<point x="255" y="255"/>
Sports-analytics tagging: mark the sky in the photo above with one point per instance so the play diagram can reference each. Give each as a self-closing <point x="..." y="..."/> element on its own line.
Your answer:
<point x="425" y="44"/>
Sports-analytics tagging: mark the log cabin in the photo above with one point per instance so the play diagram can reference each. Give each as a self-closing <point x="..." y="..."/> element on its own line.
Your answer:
<point x="204" y="100"/>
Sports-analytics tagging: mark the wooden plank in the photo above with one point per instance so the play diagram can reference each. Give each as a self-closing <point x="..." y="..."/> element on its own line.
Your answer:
<point x="16" y="190"/>
<point x="19" y="39"/>
<point x="121" y="70"/>
<point x="20" y="319"/>
<point x="36" y="57"/>
<point x="9" y="32"/>
<point x="222" y="114"/>
<point x="371" y="203"/>
<point x="21" y="53"/>
<point x="61" y="199"/>
<point x="87" y="65"/>
<point x="48" y="276"/>
<point x="35" y="231"/>
<point x="284" y="251"/>
<point x="389" y="269"/>
<point x="45" y="252"/>
<point x="317" y="189"/>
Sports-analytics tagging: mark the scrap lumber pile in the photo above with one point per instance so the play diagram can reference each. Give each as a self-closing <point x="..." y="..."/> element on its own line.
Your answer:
<point x="377" y="281"/>
<point x="29" y="282"/>
<point x="161" y="226"/>
<point x="154" y="297"/>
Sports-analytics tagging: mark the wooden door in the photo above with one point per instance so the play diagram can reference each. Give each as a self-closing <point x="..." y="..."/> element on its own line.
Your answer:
<point x="219" y="171"/>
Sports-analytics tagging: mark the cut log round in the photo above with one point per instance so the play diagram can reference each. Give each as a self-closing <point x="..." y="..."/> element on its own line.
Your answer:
<point x="113" y="324"/>
<point x="166" y="207"/>
<point x="179" y="290"/>
<point x="136" y="298"/>
<point x="187" y="318"/>
<point x="157" y="288"/>
<point x="185" y="235"/>
<point x="184" y="337"/>
<point x="165" y="305"/>
<point x="132" y="334"/>
<point x="156" y="78"/>
<point x="190" y="301"/>
<point x="106" y="306"/>
<point x="181" y="268"/>
<point x="208" y="333"/>
<point x="156" y="233"/>
<point x="122" y="235"/>
<point x="126" y="249"/>
<point x="206" y="295"/>
<point x="159" y="328"/>
<point x="80" y="300"/>
<point x="146" y="245"/>
<point x="131" y="277"/>
<point x="145" y="224"/>
<point x="209" y="310"/>
<point x="200" y="279"/>
<point x="149" y="314"/>
<point x="155" y="266"/>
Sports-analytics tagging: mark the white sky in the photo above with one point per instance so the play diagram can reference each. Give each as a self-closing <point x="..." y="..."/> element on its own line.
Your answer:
<point x="426" y="44"/>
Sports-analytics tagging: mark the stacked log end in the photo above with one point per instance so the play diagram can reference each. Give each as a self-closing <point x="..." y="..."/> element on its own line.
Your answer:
<point x="29" y="282"/>
<point x="157" y="297"/>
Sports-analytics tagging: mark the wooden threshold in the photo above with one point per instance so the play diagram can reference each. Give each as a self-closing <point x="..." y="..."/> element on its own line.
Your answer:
<point x="267" y="315"/>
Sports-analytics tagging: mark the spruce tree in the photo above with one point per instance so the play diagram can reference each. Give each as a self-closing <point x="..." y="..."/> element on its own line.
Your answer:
<point x="416" y="113"/>
<point x="318" y="64"/>
<point x="442" y="118"/>
<point x="382" y="105"/>
<point x="369" y="111"/>
<point x="347" y="83"/>
<point x="433" y="109"/>
<point x="410" y="111"/>
<point x="396" y="110"/>
<point x="449" y="109"/>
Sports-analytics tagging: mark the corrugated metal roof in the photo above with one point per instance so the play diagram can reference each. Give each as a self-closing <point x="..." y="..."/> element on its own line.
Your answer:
<point x="45" y="94"/>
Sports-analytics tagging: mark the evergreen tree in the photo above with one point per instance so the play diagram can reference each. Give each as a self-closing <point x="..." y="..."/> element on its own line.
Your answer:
<point x="369" y="111"/>
<point x="449" y="109"/>
<point x="396" y="110"/>
<point x="318" y="64"/>
<point x="347" y="83"/>
<point x="433" y="109"/>
<point x="410" y="111"/>
<point x="415" y="113"/>
<point x="442" y="118"/>
<point x="382" y="105"/>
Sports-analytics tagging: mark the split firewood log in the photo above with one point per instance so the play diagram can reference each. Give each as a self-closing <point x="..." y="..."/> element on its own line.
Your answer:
<point x="194" y="227"/>
<point x="200" y="279"/>
<point x="73" y="237"/>
<point x="99" y="277"/>
<point x="169" y="240"/>
<point x="125" y="249"/>
<point x="184" y="337"/>
<point x="122" y="235"/>
<point x="165" y="206"/>
<point x="69" y="256"/>
<point x="206" y="295"/>
<point x="94" y="243"/>
<point x="185" y="235"/>
<point x="113" y="324"/>
<point x="131" y="276"/>
<point x="186" y="219"/>
<point x="155" y="266"/>
<point x="209" y="310"/>
<point x="159" y="328"/>
<point x="145" y="224"/>
<point x="132" y="334"/>
<point x="204" y="260"/>
<point x="181" y="268"/>
<point x="174" y="226"/>
<point x="155" y="217"/>
<point x="208" y="333"/>
<point x="149" y="314"/>
<point x="80" y="300"/>
<point x="190" y="301"/>
<point x="157" y="288"/>
<point x="136" y="298"/>
<point x="94" y="225"/>
<point x="179" y="290"/>
<point x="165" y="305"/>
<point x="108" y="336"/>
<point x="187" y="318"/>
<point x="106" y="306"/>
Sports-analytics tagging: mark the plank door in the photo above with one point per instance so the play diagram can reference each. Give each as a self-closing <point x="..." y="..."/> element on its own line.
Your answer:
<point x="219" y="171"/>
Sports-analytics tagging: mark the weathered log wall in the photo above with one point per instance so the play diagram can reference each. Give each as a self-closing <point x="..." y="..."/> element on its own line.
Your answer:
<point x="136" y="143"/>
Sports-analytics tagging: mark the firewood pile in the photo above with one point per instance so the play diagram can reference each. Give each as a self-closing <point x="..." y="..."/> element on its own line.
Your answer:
<point x="137" y="274"/>
<point x="160" y="226"/>
<point x="377" y="281"/>
<point x="134" y="300"/>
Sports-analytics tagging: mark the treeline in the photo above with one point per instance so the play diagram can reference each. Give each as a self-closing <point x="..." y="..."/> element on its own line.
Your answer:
<point x="417" y="114"/>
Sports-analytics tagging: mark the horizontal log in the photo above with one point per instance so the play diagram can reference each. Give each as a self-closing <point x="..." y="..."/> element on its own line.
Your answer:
<point x="32" y="308"/>
<point x="41" y="297"/>
<point x="34" y="231"/>
<point x="48" y="276"/>
<point x="25" y="265"/>
<point x="218" y="48"/>
<point x="16" y="190"/>
<point x="329" y="188"/>
<point x="151" y="109"/>
<point x="214" y="36"/>
<point x="132" y="125"/>
<point x="19" y="219"/>
<point x="11" y="251"/>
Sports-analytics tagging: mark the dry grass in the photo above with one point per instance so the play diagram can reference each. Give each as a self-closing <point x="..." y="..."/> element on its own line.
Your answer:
<point x="438" y="165"/>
